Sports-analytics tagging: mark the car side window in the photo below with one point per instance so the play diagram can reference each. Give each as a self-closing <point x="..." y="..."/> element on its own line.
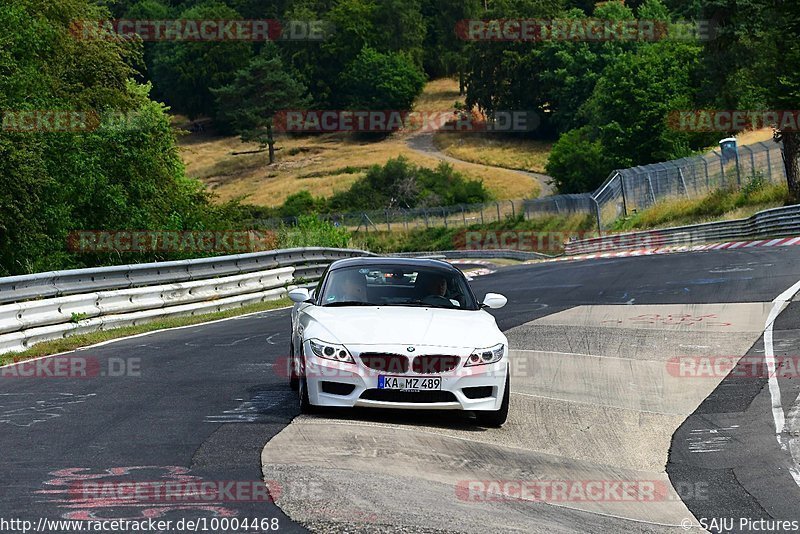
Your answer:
<point x="318" y="289"/>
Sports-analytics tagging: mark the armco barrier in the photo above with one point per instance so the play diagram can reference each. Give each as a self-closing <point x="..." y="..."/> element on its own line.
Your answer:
<point x="520" y="255"/>
<point x="87" y="300"/>
<point x="60" y="283"/>
<point x="776" y="222"/>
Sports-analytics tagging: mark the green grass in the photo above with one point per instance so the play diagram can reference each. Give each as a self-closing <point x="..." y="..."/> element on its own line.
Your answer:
<point x="719" y="205"/>
<point x="433" y="239"/>
<point x="74" y="342"/>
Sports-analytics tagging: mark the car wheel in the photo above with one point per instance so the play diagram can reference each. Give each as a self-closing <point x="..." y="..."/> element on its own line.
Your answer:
<point x="305" y="404"/>
<point x="294" y="381"/>
<point x="496" y="418"/>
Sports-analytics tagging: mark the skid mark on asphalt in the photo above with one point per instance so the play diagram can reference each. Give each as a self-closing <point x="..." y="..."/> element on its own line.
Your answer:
<point x="268" y="339"/>
<point x="256" y="410"/>
<point x="27" y="409"/>
<point x="704" y="440"/>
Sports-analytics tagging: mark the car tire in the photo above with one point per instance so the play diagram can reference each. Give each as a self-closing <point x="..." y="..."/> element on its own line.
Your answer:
<point x="294" y="380"/>
<point x="496" y="418"/>
<point x="305" y="403"/>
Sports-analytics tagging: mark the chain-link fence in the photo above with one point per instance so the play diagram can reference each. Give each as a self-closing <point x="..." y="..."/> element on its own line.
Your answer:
<point x="459" y="216"/>
<point x="638" y="188"/>
<point x="623" y="192"/>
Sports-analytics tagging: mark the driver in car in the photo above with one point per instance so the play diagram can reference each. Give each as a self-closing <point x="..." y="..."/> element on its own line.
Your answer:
<point x="437" y="286"/>
<point x="434" y="290"/>
<point x="350" y="287"/>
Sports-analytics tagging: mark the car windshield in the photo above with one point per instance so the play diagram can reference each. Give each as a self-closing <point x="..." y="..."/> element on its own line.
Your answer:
<point x="397" y="285"/>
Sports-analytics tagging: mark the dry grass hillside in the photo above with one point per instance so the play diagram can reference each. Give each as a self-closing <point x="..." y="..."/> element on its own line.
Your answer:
<point x="324" y="164"/>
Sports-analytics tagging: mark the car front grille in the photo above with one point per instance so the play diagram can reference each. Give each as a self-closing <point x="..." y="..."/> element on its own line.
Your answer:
<point x="387" y="363"/>
<point x="430" y="364"/>
<point x="418" y="397"/>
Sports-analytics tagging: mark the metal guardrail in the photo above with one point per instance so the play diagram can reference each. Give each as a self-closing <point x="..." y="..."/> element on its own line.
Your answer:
<point x="476" y="254"/>
<point x="75" y="281"/>
<point x="776" y="222"/>
<point x="53" y="305"/>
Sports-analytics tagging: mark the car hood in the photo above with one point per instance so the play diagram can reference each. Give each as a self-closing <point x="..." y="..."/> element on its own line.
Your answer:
<point x="395" y="325"/>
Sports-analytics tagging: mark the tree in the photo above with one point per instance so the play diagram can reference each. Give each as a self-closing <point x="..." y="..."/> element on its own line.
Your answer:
<point x="185" y="72"/>
<point x="123" y="172"/>
<point x="626" y="115"/>
<point x="377" y="81"/>
<point x="753" y="63"/>
<point x="257" y="93"/>
<point x="443" y="49"/>
<point x="633" y="98"/>
<point x="578" y="162"/>
<point x="552" y="78"/>
<point x="399" y="27"/>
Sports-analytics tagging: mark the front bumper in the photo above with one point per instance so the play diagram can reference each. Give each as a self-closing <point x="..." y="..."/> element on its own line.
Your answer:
<point x="324" y="376"/>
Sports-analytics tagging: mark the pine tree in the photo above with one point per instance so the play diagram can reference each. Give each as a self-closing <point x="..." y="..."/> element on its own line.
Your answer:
<point x="259" y="92"/>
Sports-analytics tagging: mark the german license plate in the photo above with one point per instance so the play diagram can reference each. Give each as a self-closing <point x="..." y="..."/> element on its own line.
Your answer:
<point x="408" y="383"/>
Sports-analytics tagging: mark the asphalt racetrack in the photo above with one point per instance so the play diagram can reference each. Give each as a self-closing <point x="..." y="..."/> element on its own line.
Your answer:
<point x="619" y="380"/>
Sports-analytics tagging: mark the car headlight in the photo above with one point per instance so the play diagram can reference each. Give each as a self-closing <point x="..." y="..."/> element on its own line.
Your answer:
<point x="331" y="351"/>
<point x="486" y="356"/>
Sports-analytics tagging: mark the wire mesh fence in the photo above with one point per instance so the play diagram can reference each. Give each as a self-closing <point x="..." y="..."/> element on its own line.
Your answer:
<point x="458" y="216"/>
<point x="638" y="188"/>
<point x="624" y="192"/>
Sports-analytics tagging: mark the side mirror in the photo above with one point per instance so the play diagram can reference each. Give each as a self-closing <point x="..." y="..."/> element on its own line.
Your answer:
<point x="299" y="295"/>
<point x="494" y="301"/>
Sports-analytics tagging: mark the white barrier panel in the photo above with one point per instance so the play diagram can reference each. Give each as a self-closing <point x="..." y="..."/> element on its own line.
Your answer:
<point x="37" y="313"/>
<point x="9" y="318"/>
<point x="19" y="341"/>
<point x="25" y="324"/>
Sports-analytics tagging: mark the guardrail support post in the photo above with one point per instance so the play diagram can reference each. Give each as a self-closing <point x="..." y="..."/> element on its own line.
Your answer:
<point x="513" y="211"/>
<point x="444" y="214"/>
<point x="597" y="212"/>
<point x="624" y="200"/>
<point x="464" y="216"/>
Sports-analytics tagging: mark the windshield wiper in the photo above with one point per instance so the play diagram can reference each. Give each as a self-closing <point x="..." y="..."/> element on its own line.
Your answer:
<point x="348" y="303"/>
<point x="422" y="304"/>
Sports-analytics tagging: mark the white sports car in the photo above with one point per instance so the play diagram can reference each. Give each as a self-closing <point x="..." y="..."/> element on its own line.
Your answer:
<point x="398" y="333"/>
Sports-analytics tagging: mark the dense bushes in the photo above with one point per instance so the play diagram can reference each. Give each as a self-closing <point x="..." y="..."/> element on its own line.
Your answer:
<point x="398" y="184"/>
